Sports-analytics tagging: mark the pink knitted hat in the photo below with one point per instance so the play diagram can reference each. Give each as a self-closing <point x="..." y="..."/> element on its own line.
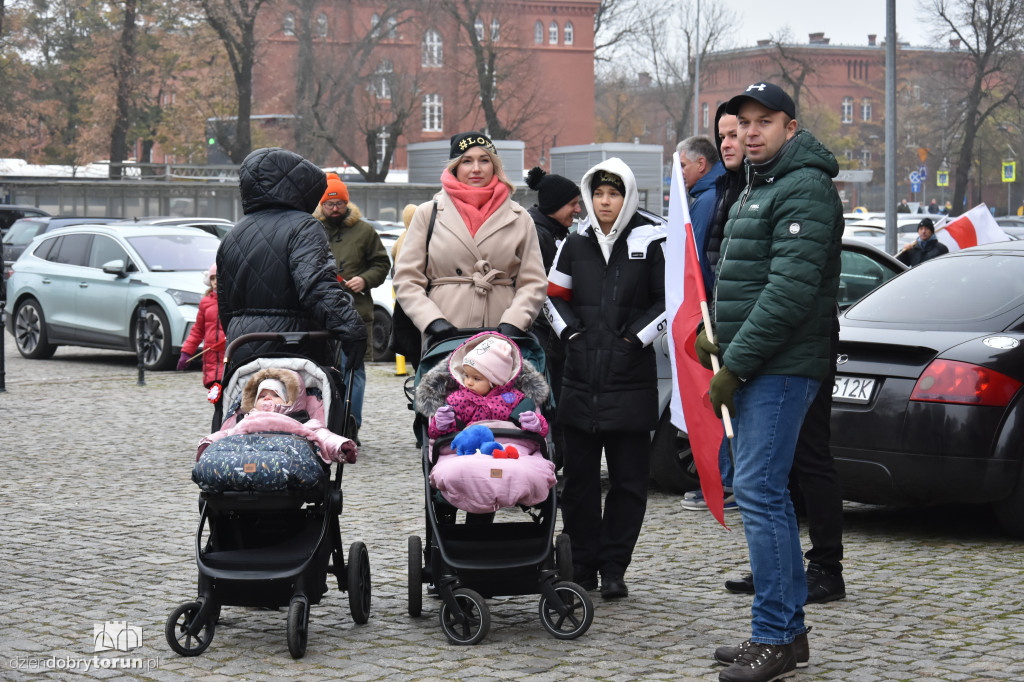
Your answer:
<point x="492" y="358"/>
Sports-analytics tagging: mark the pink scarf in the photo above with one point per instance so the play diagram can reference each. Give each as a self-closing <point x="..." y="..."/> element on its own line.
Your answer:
<point x="474" y="204"/>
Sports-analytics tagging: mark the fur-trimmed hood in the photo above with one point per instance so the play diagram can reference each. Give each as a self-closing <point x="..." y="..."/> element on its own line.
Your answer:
<point x="292" y="381"/>
<point x="435" y="386"/>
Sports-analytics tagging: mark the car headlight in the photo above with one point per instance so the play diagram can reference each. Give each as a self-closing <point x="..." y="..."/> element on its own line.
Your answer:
<point x="185" y="297"/>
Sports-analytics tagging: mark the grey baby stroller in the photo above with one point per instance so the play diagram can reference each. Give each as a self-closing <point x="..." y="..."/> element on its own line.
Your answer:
<point x="466" y="563"/>
<point x="269" y="530"/>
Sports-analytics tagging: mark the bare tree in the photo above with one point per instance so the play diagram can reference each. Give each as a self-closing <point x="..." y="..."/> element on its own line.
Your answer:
<point x="669" y="50"/>
<point x="235" y="21"/>
<point x="509" y="94"/>
<point x="989" y="73"/>
<point x="618" y="109"/>
<point x="355" y="101"/>
<point x="616" y="23"/>
<point x="124" y="69"/>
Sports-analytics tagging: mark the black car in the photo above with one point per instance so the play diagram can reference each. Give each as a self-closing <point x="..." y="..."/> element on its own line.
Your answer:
<point x="863" y="268"/>
<point x="11" y="212"/>
<point x="24" y="230"/>
<point x="927" y="404"/>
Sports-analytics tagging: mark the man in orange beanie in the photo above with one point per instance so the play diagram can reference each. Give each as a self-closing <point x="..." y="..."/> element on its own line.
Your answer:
<point x="363" y="264"/>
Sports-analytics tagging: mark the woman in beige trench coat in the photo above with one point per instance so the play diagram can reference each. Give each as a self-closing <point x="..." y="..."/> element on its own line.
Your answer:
<point x="484" y="267"/>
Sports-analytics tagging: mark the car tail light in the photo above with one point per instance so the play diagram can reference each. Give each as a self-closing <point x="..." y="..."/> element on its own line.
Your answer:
<point x="949" y="381"/>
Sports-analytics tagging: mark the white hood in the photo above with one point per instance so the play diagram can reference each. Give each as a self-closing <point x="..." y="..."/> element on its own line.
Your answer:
<point x="632" y="201"/>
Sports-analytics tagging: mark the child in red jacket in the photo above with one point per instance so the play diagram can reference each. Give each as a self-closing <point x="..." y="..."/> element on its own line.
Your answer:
<point x="207" y="330"/>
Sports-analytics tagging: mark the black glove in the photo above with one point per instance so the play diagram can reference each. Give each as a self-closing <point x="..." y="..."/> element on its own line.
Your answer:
<point x="567" y="334"/>
<point x="705" y="349"/>
<point x="355" y="352"/>
<point x="723" y="388"/>
<point x="510" y="330"/>
<point x="439" y="330"/>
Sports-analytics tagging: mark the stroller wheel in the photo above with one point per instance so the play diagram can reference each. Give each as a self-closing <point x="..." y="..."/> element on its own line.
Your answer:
<point x="184" y="638"/>
<point x="359" y="582"/>
<point x="471" y="624"/>
<point x="570" y="618"/>
<point x="563" y="557"/>
<point x="415" y="576"/>
<point x="298" y="627"/>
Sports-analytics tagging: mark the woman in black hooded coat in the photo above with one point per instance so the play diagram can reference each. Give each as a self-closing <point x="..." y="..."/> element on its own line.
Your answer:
<point x="275" y="268"/>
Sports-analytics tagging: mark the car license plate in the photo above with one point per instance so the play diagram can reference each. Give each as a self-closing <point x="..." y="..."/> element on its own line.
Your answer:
<point x="853" y="389"/>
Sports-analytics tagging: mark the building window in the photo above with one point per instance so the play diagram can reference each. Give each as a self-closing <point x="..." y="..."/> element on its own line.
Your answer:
<point x="495" y="30"/>
<point x="865" y="109"/>
<point x="289" y="24"/>
<point x="392" y="28"/>
<point x="847" y="110"/>
<point x="433" y="113"/>
<point x="848" y="154"/>
<point x="704" y="114"/>
<point x="321" y="25"/>
<point x="553" y="33"/>
<point x="865" y="158"/>
<point x="538" y="32"/>
<point x="433" y="49"/>
<point x="479" y="26"/>
<point x="568" y="33"/>
<point x="382" y="79"/>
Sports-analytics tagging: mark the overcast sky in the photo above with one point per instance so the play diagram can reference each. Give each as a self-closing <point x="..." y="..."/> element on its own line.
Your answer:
<point x="846" y="23"/>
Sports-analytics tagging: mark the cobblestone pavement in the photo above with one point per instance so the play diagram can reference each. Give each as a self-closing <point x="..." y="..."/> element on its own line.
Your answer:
<point x="98" y="515"/>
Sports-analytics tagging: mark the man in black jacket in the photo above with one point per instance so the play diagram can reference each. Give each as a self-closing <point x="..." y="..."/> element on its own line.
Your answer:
<point x="275" y="269"/>
<point x="558" y="204"/>
<point x="925" y="247"/>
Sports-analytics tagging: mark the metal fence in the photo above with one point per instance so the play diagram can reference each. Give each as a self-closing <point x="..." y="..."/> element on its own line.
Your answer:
<point x="208" y="197"/>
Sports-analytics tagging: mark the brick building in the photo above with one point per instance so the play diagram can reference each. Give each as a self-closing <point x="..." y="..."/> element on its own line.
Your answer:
<point x="423" y="61"/>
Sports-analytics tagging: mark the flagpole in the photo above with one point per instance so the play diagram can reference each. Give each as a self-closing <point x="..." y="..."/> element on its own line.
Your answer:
<point x="715" y="365"/>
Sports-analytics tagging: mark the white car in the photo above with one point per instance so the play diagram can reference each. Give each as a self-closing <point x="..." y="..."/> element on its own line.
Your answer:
<point x="384" y="302"/>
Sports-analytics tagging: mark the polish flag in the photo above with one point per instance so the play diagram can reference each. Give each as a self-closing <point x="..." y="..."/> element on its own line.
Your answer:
<point x="975" y="227"/>
<point x="684" y="293"/>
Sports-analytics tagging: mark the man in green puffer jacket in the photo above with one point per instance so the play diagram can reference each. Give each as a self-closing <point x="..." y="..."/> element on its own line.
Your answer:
<point x="363" y="265"/>
<point x="775" y="292"/>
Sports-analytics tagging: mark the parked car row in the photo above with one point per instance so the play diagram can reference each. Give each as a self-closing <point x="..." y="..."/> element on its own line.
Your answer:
<point x="109" y="286"/>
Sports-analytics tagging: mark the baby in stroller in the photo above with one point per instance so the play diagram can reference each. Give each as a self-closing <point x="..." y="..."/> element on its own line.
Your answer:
<point x="486" y="385"/>
<point x="275" y="400"/>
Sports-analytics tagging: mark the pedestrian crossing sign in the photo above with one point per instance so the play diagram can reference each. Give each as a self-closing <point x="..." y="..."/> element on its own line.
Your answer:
<point x="942" y="178"/>
<point x="1009" y="171"/>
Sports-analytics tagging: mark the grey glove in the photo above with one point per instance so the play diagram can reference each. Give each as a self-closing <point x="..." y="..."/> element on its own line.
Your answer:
<point x="530" y="421"/>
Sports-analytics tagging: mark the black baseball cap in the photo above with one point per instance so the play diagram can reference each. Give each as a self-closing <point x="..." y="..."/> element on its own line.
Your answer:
<point x="767" y="94"/>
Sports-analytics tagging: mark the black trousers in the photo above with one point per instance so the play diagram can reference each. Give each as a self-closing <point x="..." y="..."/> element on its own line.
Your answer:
<point x="813" y="480"/>
<point x="604" y="543"/>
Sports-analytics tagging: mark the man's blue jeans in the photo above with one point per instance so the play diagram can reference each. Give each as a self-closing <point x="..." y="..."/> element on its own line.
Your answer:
<point x="769" y="412"/>
<point x="725" y="463"/>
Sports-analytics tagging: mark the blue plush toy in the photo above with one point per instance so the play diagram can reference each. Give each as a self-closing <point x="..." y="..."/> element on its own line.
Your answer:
<point x="469" y="440"/>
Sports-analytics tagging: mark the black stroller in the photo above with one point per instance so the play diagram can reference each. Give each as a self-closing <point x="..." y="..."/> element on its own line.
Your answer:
<point x="466" y="563"/>
<point x="274" y="548"/>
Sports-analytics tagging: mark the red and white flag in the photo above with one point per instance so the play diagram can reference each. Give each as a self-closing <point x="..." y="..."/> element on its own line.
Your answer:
<point x="684" y="292"/>
<point x="975" y="227"/>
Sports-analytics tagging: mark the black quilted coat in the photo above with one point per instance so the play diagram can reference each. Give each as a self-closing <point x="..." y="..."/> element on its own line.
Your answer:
<point x="275" y="271"/>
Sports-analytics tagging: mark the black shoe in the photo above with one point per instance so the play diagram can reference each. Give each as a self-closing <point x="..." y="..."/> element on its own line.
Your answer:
<point x="761" y="663"/>
<point x="823" y="585"/>
<point x="727" y="655"/>
<point x="744" y="585"/>
<point x="613" y="587"/>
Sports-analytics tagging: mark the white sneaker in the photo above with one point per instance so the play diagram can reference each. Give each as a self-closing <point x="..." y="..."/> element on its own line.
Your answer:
<point x="692" y="494"/>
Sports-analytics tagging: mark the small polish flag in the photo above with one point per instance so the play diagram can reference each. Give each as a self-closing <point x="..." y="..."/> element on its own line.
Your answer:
<point x="975" y="227"/>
